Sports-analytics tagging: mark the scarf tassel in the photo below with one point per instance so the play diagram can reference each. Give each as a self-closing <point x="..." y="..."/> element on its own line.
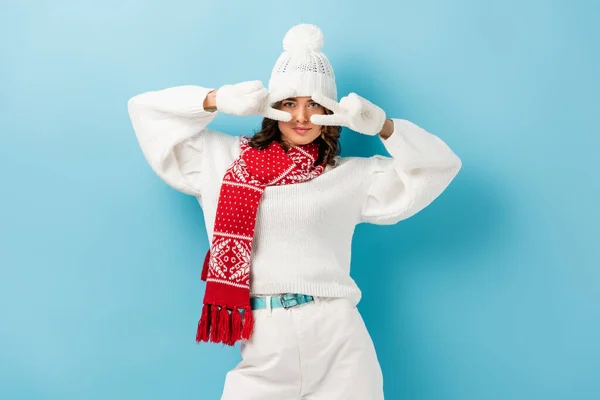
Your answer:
<point x="202" y="335"/>
<point x="236" y="325"/>
<point x="224" y="326"/>
<point x="248" y="324"/>
<point x="214" y="326"/>
<point x="219" y="325"/>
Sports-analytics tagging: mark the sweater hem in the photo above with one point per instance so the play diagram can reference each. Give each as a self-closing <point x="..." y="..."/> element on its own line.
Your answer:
<point x="352" y="293"/>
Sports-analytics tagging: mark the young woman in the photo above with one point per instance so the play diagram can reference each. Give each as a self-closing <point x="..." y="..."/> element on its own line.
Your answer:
<point x="280" y="209"/>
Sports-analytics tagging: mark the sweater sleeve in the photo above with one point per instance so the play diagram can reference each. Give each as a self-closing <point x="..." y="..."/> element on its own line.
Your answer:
<point x="420" y="168"/>
<point x="170" y="127"/>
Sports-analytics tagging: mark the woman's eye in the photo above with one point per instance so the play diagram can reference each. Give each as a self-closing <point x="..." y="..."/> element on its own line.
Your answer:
<point x="290" y="104"/>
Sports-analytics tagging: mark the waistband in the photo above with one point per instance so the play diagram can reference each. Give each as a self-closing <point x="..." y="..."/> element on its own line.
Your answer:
<point x="285" y="300"/>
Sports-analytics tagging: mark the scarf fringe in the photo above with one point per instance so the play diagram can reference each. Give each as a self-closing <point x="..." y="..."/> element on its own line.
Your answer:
<point x="224" y="326"/>
<point x="202" y="334"/>
<point x="248" y="324"/>
<point x="221" y="325"/>
<point x="214" y="327"/>
<point x="236" y="325"/>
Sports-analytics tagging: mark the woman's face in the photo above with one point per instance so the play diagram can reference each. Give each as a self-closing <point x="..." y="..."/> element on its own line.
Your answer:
<point x="299" y="130"/>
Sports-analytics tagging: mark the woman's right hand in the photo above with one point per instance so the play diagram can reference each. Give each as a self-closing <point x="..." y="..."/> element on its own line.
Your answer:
<point x="248" y="98"/>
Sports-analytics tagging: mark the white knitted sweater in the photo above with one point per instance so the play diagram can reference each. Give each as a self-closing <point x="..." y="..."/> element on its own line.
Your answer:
<point x="303" y="235"/>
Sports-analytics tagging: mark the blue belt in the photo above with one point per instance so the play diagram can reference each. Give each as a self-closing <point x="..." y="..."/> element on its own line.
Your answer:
<point x="286" y="300"/>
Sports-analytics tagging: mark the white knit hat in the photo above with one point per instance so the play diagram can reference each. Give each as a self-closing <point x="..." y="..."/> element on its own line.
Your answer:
<point x="302" y="66"/>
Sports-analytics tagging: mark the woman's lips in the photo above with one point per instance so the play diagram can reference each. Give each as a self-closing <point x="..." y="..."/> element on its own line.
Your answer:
<point x="301" y="131"/>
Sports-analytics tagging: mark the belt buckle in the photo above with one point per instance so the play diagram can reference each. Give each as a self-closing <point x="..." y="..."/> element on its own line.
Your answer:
<point x="284" y="300"/>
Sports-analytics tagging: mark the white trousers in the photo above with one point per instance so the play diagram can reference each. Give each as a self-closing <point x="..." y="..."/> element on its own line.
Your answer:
<point x="317" y="351"/>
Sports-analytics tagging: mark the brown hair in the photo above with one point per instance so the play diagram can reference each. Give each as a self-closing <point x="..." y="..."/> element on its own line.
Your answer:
<point x="328" y="141"/>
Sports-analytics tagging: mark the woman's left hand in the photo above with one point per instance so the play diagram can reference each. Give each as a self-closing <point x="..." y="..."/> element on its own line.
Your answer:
<point x="353" y="111"/>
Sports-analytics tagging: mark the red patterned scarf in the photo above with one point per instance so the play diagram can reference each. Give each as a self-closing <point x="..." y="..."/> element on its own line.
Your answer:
<point x="226" y="267"/>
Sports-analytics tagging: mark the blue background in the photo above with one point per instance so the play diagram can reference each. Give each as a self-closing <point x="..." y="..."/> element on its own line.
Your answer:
<point x="492" y="292"/>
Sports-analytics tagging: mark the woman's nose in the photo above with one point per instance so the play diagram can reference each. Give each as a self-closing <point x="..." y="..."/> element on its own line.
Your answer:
<point x="301" y="115"/>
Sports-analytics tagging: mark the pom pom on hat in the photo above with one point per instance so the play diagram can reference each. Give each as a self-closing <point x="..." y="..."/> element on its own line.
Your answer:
<point x="303" y="37"/>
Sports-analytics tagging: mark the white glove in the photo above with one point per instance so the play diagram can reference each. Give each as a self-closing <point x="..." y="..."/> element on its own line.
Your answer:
<point x="248" y="98"/>
<point x="352" y="111"/>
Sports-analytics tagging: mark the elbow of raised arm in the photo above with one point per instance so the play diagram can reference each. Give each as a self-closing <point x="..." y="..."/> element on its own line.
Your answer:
<point x="447" y="175"/>
<point x="429" y="188"/>
<point x="456" y="166"/>
<point x="139" y="102"/>
<point x="451" y="164"/>
<point x="135" y="103"/>
<point x="130" y="106"/>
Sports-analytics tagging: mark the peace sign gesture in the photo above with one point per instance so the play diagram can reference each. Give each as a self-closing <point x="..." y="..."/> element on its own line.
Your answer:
<point x="353" y="111"/>
<point x="251" y="97"/>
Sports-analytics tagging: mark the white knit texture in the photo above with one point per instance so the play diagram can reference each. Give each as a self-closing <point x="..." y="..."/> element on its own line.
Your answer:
<point x="302" y="66"/>
<point x="303" y="236"/>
